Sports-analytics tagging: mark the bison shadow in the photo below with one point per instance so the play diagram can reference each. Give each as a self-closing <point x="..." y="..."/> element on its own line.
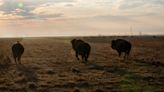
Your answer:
<point x="143" y="62"/>
<point x="116" y="70"/>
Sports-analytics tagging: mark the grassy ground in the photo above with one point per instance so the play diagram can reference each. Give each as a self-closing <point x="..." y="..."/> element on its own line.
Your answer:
<point x="49" y="65"/>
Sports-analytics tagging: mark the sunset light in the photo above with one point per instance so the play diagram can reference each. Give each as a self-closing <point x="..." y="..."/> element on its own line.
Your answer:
<point x="81" y="17"/>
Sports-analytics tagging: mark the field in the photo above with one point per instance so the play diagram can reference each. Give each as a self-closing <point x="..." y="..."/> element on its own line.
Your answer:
<point x="49" y="65"/>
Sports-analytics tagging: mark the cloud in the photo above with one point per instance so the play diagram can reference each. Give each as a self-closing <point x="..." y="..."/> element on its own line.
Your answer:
<point x="142" y="5"/>
<point x="45" y="9"/>
<point x="4" y="16"/>
<point x="116" y="6"/>
<point x="24" y="8"/>
<point x="158" y="2"/>
<point x="70" y="10"/>
<point x="14" y="8"/>
<point x="81" y="17"/>
<point x="49" y="1"/>
<point x="131" y="4"/>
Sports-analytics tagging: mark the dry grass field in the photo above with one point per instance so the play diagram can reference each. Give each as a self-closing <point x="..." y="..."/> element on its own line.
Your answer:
<point x="49" y="65"/>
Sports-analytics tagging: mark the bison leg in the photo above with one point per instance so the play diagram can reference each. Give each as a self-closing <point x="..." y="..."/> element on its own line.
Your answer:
<point x="125" y="56"/>
<point x="19" y="59"/>
<point x="15" y="60"/>
<point x="119" y="53"/>
<point x="82" y="57"/>
<point x="86" y="57"/>
<point x="77" y="56"/>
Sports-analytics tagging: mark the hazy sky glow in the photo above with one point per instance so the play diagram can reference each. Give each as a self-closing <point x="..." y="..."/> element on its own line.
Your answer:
<point x="80" y="17"/>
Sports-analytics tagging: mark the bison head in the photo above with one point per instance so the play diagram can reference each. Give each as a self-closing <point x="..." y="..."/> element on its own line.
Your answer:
<point x="73" y="41"/>
<point x="113" y="44"/>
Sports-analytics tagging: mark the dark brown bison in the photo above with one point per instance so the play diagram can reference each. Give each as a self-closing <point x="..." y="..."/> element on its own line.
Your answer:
<point x="121" y="45"/>
<point x="81" y="48"/>
<point x="17" y="50"/>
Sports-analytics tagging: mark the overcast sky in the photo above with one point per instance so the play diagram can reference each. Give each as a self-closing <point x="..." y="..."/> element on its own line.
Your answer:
<point x="80" y="17"/>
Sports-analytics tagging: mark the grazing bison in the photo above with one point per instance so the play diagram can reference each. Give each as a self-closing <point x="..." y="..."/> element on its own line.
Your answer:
<point x="81" y="48"/>
<point x="17" y="50"/>
<point x="121" y="46"/>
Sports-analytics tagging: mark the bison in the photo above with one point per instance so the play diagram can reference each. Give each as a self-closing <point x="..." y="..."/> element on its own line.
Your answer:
<point x="81" y="48"/>
<point x="17" y="50"/>
<point x="121" y="45"/>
